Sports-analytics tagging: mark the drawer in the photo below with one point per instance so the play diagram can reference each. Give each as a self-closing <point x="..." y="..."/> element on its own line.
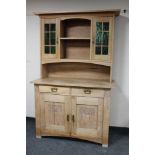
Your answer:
<point x="87" y="92"/>
<point x="47" y="97"/>
<point x="54" y="90"/>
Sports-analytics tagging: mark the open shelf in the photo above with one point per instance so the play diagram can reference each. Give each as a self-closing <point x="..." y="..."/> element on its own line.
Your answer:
<point x="76" y="28"/>
<point x="75" y="49"/>
<point x="104" y="63"/>
<point x="75" y="38"/>
<point x="82" y="71"/>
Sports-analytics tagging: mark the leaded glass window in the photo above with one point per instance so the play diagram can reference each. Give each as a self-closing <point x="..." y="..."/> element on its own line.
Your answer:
<point x="102" y="38"/>
<point x="50" y="38"/>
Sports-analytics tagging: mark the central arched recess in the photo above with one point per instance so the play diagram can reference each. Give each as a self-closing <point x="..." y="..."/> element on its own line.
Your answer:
<point x="76" y="27"/>
<point x="75" y="38"/>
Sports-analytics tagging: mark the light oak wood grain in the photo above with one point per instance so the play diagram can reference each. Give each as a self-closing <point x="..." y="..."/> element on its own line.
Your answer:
<point x="76" y="27"/>
<point x="79" y="70"/>
<point x="86" y="83"/>
<point x="54" y="111"/>
<point x="87" y="92"/>
<point x="116" y="12"/>
<point x="37" y="111"/>
<point x="76" y="49"/>
<point x="54" y="90"/>
<point x="87" y="118"/>
<point x="106" y="111"/>
<point x="104" y="63"/>
<point x="72" y="97"/>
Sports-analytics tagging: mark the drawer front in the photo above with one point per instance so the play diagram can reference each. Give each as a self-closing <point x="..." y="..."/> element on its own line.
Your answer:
<point x="87" y="92"/>
<point x="46" y="97"/>
<point x="54" y="90"/>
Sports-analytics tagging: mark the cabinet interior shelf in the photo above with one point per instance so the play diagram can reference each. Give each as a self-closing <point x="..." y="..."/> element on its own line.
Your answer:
<point x="104" y="63"/>
<point x="75" y="38"/>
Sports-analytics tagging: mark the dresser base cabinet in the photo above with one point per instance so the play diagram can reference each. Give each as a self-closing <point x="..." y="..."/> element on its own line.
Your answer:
<point x="72" y="112"/>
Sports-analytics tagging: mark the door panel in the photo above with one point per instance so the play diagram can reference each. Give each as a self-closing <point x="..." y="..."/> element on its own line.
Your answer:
<point x="87" y="116"/>
<point x="54" y="114"/>
<point x="102" y="34"/>
<point x="50" y="40"/>
<point x="87" y="113"/>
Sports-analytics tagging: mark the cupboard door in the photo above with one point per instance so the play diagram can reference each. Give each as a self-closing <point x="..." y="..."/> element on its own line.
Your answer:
<point x="102" y="38"/>
<point x="50" y="38"/>
<point x="54" y="114"/>
<point x="87" y="118"/>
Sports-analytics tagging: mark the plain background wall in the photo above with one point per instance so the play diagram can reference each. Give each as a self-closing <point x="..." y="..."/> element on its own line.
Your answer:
<point x="119" y="114"/>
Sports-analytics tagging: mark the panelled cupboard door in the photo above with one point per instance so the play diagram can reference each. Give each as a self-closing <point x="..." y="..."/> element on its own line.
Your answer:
<point x="87" y="116"/>
<point x="50" y="38"/>
<point x="102" y="38"/>
<point x="54" y="114"/>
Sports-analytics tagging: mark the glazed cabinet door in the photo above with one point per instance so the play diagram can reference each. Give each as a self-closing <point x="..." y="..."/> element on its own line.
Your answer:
<point x="54" y="114"/>
<point x="102" y="38"/>
<point x="49" y="38"/>
<point x="87" y="116"/>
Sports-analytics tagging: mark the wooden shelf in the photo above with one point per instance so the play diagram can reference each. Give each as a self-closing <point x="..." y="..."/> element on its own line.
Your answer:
<point x="102" y="31"/>
<point x="78" y="60"/>
<point x="73" y="82"/>
<point x="75" y="38"/>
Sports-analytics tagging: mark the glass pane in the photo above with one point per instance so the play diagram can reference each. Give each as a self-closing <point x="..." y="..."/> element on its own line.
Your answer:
<point x="52" y="27"/>
<point x="98" y="26"/>
<point x="98" y="50"/>
<point x="52" y="38"/>
<point x="104" y="50"/>
<point x="47" y="49"/>
<point x="46" y="38"/>
<point x="98" y="38"/>
<point x="46" y="27"/>
<point x="52" y="50"/>
<point x="105" y="38"/>
<point x="105" y="26"/>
